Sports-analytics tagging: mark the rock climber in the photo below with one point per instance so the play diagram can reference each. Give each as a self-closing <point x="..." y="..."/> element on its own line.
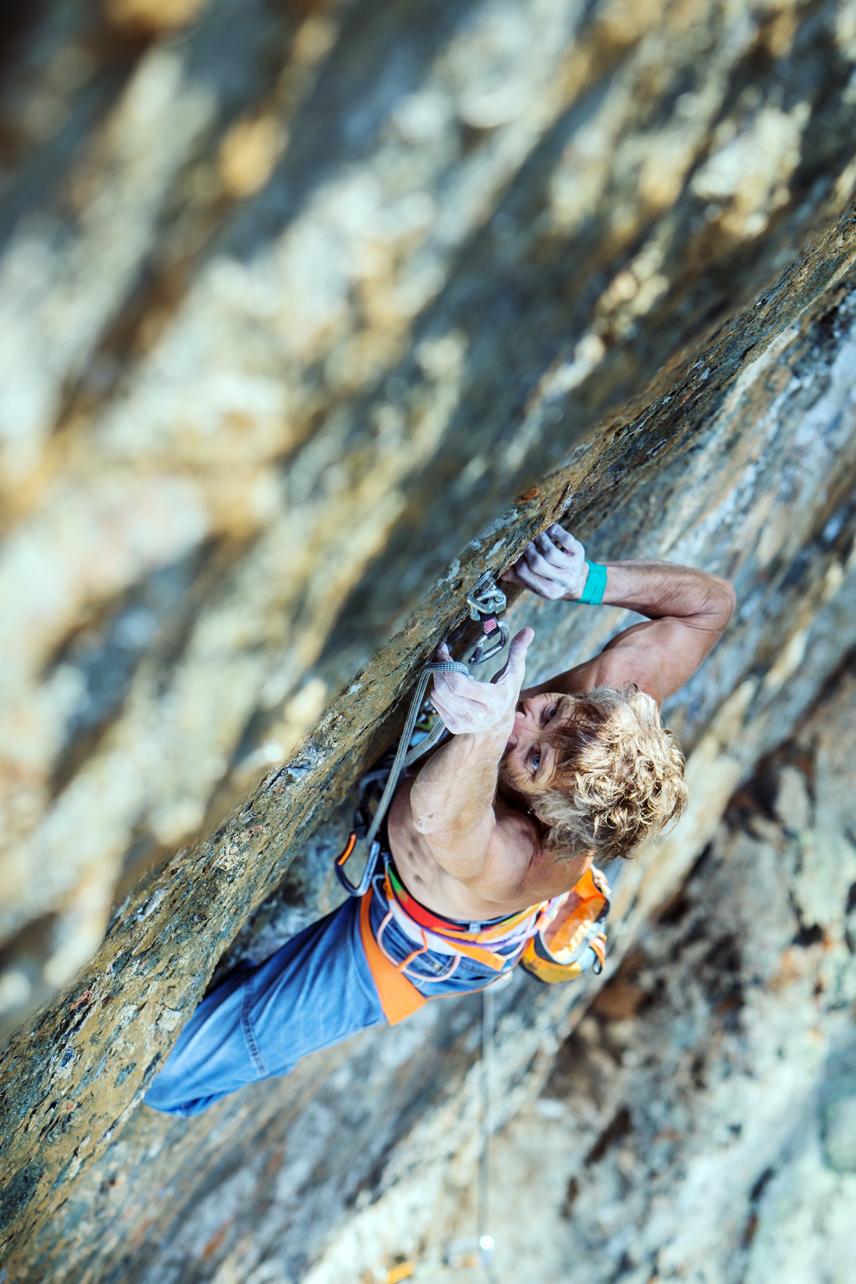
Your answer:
<point x="532" y="786"/>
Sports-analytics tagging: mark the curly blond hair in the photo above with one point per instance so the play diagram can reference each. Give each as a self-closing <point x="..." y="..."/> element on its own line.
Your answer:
<point x="619" y="777"/>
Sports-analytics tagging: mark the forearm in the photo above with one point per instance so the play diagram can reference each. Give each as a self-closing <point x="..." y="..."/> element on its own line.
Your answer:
<point x="662" y="590"/>
<point x="455" y="789"/>
<point x="687" y="610"/>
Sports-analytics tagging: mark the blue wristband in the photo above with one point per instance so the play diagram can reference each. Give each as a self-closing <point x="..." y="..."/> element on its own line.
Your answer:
<point x="595" y="585"/>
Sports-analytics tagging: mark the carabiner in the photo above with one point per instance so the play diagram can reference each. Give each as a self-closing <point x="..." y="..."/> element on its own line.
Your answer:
<point x="491" y="642"/>
<point x="364" y="882"/>
<point x="486" y="598"/>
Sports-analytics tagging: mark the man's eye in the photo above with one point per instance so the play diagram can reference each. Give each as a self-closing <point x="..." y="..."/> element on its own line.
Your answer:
<point x="534" y="760"/>
<point x="550" y="714"/>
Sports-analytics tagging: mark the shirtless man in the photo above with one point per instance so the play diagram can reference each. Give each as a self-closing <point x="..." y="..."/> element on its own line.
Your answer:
<point x="497" y="824"/>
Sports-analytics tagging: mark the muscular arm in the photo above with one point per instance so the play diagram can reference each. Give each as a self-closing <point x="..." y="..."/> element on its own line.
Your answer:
<point x="452" y="798"/>
<point x="451" y="801"/>
<point x="688" y="611"/>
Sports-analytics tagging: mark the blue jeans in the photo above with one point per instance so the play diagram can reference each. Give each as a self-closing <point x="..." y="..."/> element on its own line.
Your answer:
<point x="313" y="992"/>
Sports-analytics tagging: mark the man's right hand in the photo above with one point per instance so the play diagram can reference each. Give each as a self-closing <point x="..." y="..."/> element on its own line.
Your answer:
<point x="470" y="707"/>
<point x="553" y="565"/>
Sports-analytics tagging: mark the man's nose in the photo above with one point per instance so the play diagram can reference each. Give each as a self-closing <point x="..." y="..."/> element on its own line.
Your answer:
<point x="524" y="729"/>
<point x="528" y="717"/>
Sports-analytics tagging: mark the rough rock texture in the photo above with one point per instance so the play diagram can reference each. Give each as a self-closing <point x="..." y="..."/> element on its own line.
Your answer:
<point x="275" y="288"/>
<point x="309" y="314"/>
<point x="700" y="1124"/>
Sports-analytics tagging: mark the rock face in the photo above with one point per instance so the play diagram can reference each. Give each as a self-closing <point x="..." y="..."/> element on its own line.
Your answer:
<point x="312" y="313"/>
<point x="699" y="1124"/>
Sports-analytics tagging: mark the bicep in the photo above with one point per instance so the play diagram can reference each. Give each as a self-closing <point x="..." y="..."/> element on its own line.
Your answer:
<point x="658" y="656"/>
<point x="461" y="851"/>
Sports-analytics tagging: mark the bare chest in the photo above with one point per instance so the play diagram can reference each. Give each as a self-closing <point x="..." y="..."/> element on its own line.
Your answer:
<point x="520" y="876"/>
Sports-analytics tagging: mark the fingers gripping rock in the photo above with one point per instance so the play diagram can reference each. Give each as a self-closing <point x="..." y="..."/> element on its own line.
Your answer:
<point x="470" y="707"/>
<point x="553" y="565"/>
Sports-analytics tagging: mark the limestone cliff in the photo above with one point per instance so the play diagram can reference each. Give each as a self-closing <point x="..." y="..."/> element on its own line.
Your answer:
<point x="311" y="313"/>
<point x="701" y="1121"/>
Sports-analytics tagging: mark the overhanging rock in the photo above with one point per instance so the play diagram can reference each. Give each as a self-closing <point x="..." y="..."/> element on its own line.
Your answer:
<point x="380" y="1108"/>
<point x="632" y="302"/>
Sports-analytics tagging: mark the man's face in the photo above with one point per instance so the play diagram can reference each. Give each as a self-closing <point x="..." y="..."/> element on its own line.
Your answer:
<point x="529" y="760"/>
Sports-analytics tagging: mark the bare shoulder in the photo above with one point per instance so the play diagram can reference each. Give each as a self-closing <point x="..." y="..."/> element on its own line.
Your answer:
<point x="513" y="847"/>
<point x="634" y="657"/>
<point x="521" y="871"/>
<point x="431" y="871"/>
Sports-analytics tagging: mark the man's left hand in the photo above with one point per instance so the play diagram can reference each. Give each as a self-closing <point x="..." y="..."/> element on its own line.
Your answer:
<point x="553" y="565"/>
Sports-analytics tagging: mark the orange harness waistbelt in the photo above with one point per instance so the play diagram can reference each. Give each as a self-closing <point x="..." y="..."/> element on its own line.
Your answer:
<point x="566" y="940"/>
<point x="398" y="996"/>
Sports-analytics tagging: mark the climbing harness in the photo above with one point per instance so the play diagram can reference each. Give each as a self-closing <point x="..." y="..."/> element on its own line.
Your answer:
<point x="497" y="945"/>
<point x="570" y="938"/>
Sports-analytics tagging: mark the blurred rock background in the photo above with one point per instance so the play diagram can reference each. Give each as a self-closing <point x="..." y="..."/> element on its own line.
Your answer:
<point x="311" y="312"/>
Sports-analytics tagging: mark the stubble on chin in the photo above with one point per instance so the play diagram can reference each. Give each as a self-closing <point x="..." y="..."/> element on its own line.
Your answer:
<point x="503" y="779"/>
<point x="509" y="789"/>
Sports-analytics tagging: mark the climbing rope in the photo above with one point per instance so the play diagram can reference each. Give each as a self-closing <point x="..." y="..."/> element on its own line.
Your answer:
<point x="486" y="602"/>
<point x="472" y="1253"/>
<point x="477" y="1252"/>
<point x="485" y="1239"/>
